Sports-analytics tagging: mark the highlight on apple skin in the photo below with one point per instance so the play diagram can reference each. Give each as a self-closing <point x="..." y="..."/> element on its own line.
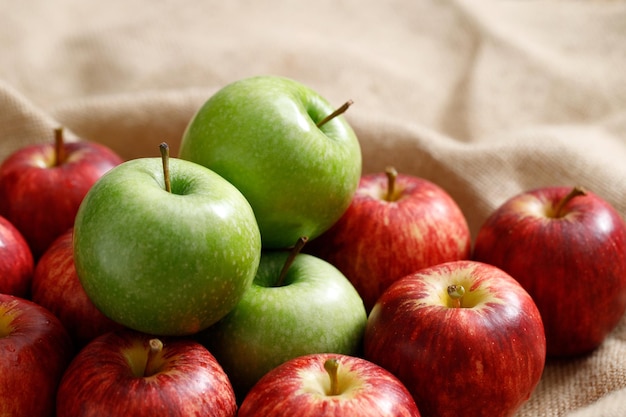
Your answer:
<point x="464" y="337"/>
<point x="298" y="304"/>
<point x="128" y="373"/>
<point x="328" y="384"/>
<point x="273" y="139"/>
<point x="42" y="185"/>
<point x="35" y="350"/>
<point x="396" y="224"/>
<point x="56" y="286"/>
<point x="567" y="247"/>
<point x="16" y="261"/>
<point x="165" y="261"/>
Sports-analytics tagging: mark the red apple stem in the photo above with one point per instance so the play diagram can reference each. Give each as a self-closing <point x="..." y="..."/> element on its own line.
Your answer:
<point x="165" y="157"/>
<point x="392" y="174"/>
<point x="331" y="365"/>
<point x="575" y="192"/>
<point x="156" y="346"/>
<point x="456" y="292"/>
<point x="341" y="110"/>
<point x="59" y="147"/>
<point x="292" y="257"/>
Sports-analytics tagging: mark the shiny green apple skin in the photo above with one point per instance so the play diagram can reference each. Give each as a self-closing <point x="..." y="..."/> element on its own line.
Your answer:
<point x="315" y="310"/>
<point x="166" y="263"/>
<point x="260" y="134"/>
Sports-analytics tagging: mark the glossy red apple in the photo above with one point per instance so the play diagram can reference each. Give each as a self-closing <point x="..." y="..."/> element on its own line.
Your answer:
<point x="56" y="287"/>
<point x="327" y="384"/>
<point x="35" y="350"/>
<point x="127" y="373"/>
<point x="16" y="261"/>
<point x="395" y="225"/>
<point x="42" y="185"/>
<point x="464" y="337"/>
<point x="567" y="247"/>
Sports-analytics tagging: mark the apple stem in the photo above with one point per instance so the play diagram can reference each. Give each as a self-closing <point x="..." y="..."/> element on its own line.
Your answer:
<point x="575" y="192"/>
<point x="156" y="346"/>
<point x="292" y="257"/>
<point x="331" y="365"/>
<point x="165" y="157"/>
<point x="334" y="114"/>
<point x="456" y="292"/>
<point x="392" y="174"/>
<point x="59" y="147"/>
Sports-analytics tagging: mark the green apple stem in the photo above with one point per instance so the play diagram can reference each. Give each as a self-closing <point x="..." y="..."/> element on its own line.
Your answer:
<point x="292" y="257"/>
<point x="331" y="365"/>
<point x="165" y="157"/>
<point x="59" y="147"/>
<point x="456" y="292"/>
<point x="151" y="368"/>
<point x="575" y="192"/>
<point x="392" y="174"/>
<point x="339" y="111"/>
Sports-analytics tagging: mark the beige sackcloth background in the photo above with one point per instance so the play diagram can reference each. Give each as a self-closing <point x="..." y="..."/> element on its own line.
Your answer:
<point x="485" y="98"/>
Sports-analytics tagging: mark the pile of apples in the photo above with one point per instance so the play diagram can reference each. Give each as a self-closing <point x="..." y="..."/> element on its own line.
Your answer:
<point x="260" y="273"/>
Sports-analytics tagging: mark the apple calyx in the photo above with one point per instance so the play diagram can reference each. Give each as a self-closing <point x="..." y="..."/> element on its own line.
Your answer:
<point x="342" y="109"/>
<point x="392" y="175"/>
<point x="575" y="192"/>
<point x="331" y="365"/>
<point x="456" y="293"/>
<point x="165" y="157"/>
<point x="59" y="147"/>
<point x="292" y="257"/>
<point x="152" y="364"/>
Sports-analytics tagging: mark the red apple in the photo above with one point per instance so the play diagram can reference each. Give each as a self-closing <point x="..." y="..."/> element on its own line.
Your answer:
<point x="42" y="185"/>
<point x="464" y="337"/>
<point x="396" y="224"/>
<point x="56" y="287"/>
<point x="326" y="384"/>
<point x="16" y="261"/>
<point x="127" y="373"/>
<point x="35" y="350"/>
<point x="567" y="248"/>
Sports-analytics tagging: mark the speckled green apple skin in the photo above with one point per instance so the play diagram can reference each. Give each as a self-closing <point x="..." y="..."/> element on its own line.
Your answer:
<point x="165" y="263"/>
<point x="260" y="134"/>
<point x="315" y="310"/>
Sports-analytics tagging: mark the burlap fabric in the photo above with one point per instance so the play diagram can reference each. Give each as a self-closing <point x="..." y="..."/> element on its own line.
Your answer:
<point x="486" y="99"/>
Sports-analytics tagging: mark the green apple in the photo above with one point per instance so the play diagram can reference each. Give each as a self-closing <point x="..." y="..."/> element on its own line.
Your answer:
<point x="313" y="308"/>
<point x="268" y="136"/>
<point x="165" y="259"/>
